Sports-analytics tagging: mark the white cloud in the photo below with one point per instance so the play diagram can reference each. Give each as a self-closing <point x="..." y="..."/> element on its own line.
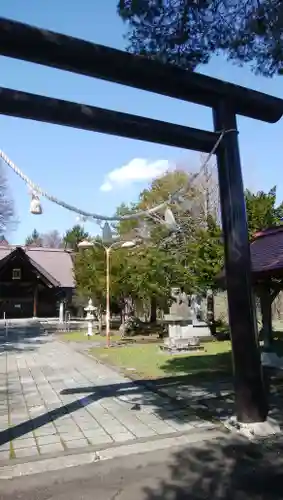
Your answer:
<point x="106" y="186"/>
<point x="137" y="170"/>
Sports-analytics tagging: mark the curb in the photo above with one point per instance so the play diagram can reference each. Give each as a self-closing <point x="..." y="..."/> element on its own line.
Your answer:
<point x="53" y="464"/>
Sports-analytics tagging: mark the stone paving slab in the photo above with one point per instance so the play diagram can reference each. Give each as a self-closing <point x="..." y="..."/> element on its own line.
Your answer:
<point x="216" y="399"/>
<point x="53" y="399"/>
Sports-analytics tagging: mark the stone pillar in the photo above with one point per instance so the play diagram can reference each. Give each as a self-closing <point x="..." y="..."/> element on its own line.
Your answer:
<point x="61" y="312"/>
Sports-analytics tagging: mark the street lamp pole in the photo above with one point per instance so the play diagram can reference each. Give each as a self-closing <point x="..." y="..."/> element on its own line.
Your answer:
<point x="107" y="318"/>
<point x="107" y="249"/>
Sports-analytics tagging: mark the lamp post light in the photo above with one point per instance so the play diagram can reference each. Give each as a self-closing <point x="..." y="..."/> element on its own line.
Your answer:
<point x="107" y="249"/>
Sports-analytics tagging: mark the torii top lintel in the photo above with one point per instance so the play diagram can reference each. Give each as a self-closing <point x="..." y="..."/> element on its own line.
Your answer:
<point x="22" y="41"/>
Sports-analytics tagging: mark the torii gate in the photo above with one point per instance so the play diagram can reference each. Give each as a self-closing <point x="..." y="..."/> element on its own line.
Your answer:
<point x="226" y="100"/>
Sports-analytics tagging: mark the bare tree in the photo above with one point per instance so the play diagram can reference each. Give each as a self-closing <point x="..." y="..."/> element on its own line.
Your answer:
<point x="207" y="185"/>
<point x="7" y="213"/>
<point x="52" y="239"/>
<point x="201" y="200"/>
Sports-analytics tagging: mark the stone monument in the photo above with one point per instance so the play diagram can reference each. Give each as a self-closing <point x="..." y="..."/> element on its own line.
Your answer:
<point x="198" y="311"/>
<point x="185" y="322"/>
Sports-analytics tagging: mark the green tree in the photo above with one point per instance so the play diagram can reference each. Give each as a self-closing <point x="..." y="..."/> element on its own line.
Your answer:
<point x="34" y="239"/>
<point x="187" y="33"/>
<point x="206" y="256"/>
<point x="262" y="211"/>
<point x="197" y="244"/>
<point x="125" y="228"/>
<point x="189" y="257"/>
<point x="174" y="259"/>
<point x="90" y="274"/>
<point x="74" y="236"/>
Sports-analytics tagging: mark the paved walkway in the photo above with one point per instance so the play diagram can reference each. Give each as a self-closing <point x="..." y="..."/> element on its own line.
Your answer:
<point x="216" y="398"/>
<point x="53" y="399"/>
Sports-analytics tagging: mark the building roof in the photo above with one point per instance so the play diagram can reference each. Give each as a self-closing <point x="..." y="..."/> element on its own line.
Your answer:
<point x="56" y="262"/>
<point x="267" y="251"/>
<point x="266" y="255"/>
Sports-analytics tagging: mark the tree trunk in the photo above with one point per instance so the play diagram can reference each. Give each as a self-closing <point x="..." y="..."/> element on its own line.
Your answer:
<point x="153" y="310"/>
<point x="99" y="317"/>
<point x="210" y="308"/>
<point x="129" y="309"/>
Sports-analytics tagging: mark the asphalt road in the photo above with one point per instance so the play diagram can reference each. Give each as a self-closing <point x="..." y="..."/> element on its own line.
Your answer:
<point x="226" y="470"/>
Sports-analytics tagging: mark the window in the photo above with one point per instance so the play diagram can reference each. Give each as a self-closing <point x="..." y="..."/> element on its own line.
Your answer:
<point x="16" y="274"/>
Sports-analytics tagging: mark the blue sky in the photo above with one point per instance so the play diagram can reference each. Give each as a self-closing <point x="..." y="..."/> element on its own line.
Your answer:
<point x="73" y="164"/>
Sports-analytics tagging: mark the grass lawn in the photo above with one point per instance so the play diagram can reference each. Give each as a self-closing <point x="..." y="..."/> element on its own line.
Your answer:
<point x="81" y="336"/>
<point x="143" y="358"/>
<point x="149" y="362"/>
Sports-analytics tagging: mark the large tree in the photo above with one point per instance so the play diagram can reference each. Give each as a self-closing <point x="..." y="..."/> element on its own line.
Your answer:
<point x="262" y="210"/>
<point x="90" y="276"/>
<point x="198" y="236"/>
<point x="89" y="269"/>
<point x="74" y="236"/>
<point x="189" y="258"/>
<point x="187" y="33"/>
<point x="52" y="239"/>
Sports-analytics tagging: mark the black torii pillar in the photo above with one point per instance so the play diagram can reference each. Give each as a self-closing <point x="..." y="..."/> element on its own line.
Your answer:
<point x="21" y="41"/>
<point x="250" y="394"/>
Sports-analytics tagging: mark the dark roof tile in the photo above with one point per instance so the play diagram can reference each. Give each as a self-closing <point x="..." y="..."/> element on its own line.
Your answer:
<point x="267" y="250"/>
<point x="57" y="262"/>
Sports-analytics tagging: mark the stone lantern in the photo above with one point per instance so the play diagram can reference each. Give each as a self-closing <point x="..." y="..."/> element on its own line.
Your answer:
<point x="89" y="317"/>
